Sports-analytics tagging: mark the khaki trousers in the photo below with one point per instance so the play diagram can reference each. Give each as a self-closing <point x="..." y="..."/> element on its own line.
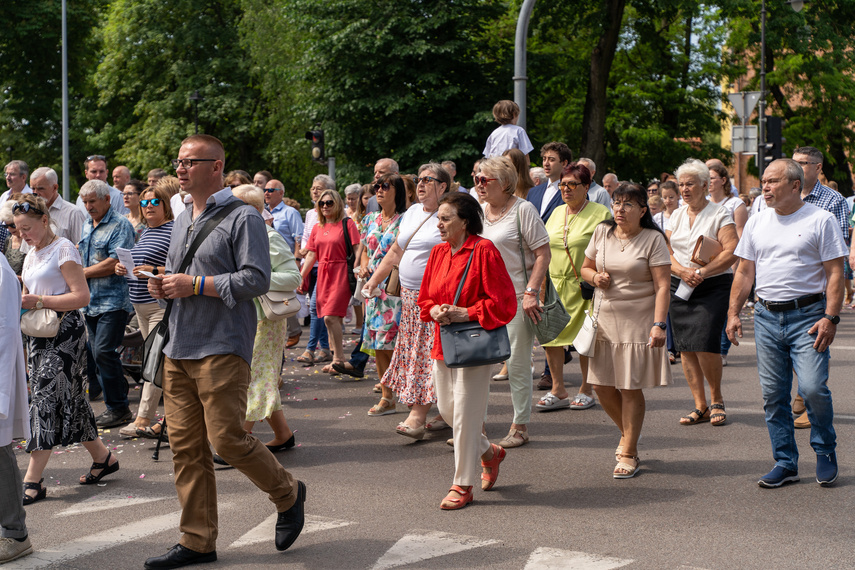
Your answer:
<point x="206" y="400"/>
<point x="461" y="396"/>
<point x="148" y="316"/>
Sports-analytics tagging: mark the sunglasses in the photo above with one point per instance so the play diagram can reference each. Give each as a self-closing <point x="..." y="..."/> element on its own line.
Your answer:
<point x="426" y="180"/>
<point x="385" y="187"/>
<point x="26" y="207"/>
<point x="189" y="162"/>
<point x="96" y="157"/>
<point x="326" y="203"/>
<point x="482" y="180"/>
<point x="269" y="190"/>
<point x="11" y="226"/>
<point x="152" y="201"/>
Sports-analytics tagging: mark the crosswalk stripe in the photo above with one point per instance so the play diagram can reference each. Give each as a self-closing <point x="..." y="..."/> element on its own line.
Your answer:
<point x="428" y="544"/>
<point x="554" y="558"/>
<point x="107" y="501"/>
<point x="68" y="551"/>
<point x="265" y="531"/>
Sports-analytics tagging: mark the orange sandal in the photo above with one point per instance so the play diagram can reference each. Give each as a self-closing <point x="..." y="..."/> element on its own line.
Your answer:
<point x="452" y="503"/>
<point x="489" y="479"/>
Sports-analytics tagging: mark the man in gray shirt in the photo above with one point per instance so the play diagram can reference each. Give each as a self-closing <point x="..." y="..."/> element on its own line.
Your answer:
<point x="207" y="366"/>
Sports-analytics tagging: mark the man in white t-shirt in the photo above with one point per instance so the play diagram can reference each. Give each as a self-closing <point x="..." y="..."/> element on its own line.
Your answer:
<point x="795" y="250"/>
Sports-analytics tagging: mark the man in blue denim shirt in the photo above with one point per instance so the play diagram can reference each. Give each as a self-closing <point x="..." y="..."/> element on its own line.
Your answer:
<point x="795" y="250"/>
<point x="107" y="312"/>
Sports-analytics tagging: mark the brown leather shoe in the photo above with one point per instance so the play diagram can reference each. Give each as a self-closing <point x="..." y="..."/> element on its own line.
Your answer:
<point x="293" y="340"/>
<point x="798" y="406"/>
<point x="545" y="382"/>
<point x="802" y="421"/>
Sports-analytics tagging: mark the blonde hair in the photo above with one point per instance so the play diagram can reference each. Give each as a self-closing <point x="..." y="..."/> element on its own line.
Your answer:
<point x="503" y="170"/>
<point x="163" y="195"/>
<point x="251" y="194"/>
<point x="338" y="207"/>
<point x="34" y="201"/>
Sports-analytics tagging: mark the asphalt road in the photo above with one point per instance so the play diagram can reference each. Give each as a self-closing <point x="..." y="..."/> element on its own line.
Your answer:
<point x="373" y="496"/>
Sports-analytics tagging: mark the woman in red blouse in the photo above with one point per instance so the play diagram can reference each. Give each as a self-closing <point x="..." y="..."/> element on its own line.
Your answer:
<point x="488" y="296"/>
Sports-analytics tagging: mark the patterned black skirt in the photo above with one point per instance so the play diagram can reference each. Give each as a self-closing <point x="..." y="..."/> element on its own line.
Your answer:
<point x="60" y="413"/>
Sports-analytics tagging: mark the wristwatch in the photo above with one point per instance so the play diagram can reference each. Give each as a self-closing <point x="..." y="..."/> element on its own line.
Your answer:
<point x="698" y="271"/>
<point x="833" y="318"/>
<point x="154" y="270"/>
<point x="40" y="304"/>
<point x="661" y="325"/>
<point x="532" y="290"/>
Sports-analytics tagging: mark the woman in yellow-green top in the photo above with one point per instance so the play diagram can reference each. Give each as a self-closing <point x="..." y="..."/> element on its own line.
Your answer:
<point x="570" y="229"/>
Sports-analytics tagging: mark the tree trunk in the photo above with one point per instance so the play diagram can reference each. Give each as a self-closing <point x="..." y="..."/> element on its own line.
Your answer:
<point x="594" y="118"/>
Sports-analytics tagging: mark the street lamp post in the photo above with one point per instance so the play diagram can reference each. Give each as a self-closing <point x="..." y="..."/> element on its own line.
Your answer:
<point x="761" y="111"/>
<point x="195" y="97"/>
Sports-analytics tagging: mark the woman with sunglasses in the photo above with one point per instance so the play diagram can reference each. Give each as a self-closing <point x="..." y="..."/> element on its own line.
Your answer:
<point x="513" y="225"/>
<point x="382" y="312"/>
<point x="409" y="372"/>
<point x="60" y="413"/>
<point x="327" y="246"/>
<point x="570" y="229"/>
<point x="149" y="255"/>
<point x="131" y="198"/>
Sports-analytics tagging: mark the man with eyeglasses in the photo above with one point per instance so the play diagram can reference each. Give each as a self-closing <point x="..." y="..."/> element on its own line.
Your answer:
<point x="95" y="167"/>
<point x="795" y="251"/>
<point x="67" y="219"/>
<point x="820" y="195"/>
<point x="289" y="224"/>
<point x="16" y="179"/>
<point x="206" y="369"/>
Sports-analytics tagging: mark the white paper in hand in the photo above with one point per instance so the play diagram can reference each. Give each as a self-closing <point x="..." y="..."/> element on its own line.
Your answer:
<point x="684" y="291"/>
<point x="126" y="259"/>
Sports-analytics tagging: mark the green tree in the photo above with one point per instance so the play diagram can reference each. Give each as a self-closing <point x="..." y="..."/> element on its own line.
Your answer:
<point x="809" y="63"/>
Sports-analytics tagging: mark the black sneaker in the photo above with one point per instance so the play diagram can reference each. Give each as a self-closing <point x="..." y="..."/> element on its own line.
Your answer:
<point x="114" y="418"/>
<point x="777" y="477"/>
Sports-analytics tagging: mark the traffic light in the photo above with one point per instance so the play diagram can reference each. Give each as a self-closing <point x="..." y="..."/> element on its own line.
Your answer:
<point x="775" y="140"/>
<point x="317" y="138"/>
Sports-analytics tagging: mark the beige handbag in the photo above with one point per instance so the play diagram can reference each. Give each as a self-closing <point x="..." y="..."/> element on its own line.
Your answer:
<point x="278" y="305"/>
<point x="41" y="323"/>
<point x="706" y="249"/>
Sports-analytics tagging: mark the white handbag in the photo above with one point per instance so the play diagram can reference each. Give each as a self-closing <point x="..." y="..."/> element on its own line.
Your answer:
<point x="40" y="323"/>
<point x="584" y="341"/>
<point x="278" y="305"/>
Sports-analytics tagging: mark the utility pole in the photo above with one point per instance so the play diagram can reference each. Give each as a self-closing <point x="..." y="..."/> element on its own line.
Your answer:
<point x="520" y="77"/>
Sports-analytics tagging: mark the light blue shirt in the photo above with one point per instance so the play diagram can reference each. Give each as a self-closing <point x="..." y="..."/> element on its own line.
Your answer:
<point x="287" y="221"/>
<point x="99" y="242"/>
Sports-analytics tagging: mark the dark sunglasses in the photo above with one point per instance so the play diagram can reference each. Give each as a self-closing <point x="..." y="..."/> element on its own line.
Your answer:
<point x="11" y="226"/>
<point x="269" y="190"/>
<point x="26" y="207"/>
<point x="482" y="180"/>
<point x="426" y="180"/>
<point x="152" y="201"/>
<point x="96" y="157"/>
<point x="326" y="203"/>
<point x="385" y="187"/>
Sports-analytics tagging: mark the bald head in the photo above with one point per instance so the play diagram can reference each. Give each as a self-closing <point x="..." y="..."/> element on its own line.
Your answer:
<point x="121" y="176"/>
<point x="610" y="182"/>
<point x="274" y="191"/>
<point x="383" y="167"/>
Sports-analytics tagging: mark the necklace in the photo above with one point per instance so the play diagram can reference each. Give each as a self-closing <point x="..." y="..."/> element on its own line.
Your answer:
<point x="47" y="244"/>
<point x="567" y="225"/>
<point x="628" y="241"/>
<point x="501" y="212"/>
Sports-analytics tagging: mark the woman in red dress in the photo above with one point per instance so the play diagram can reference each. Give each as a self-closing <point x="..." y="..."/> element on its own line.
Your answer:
<point x="327" y="246"/>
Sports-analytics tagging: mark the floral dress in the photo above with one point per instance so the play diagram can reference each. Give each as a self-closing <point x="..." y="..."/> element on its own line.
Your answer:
<point x="383" y="313"/>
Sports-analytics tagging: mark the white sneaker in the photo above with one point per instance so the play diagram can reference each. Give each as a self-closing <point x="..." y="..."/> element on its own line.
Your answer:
<point x="11" y="549"/>
<point x="724" y="360"/>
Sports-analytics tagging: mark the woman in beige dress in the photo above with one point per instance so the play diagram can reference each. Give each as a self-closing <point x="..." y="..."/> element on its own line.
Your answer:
<point x="628" y="262"/>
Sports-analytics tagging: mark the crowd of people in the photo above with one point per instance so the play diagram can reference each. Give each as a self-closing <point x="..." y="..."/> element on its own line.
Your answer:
<point x="643" y="277"/>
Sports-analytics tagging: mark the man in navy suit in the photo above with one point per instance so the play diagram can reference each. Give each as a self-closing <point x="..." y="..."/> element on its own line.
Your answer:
<point x="546" y="197"/>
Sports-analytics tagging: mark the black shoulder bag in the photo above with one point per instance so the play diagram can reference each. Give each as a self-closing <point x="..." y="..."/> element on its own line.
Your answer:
<point x="351" y="257"/>
<point x="469" y="344"/>
<point x="152" y="368"/>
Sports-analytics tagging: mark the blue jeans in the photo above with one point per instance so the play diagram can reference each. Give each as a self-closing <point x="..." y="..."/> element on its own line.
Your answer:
<point x="317" y="328"/>
<point x="784" y="346"/>
<point x="725" y="342"/>
<point x="106" y="332"/>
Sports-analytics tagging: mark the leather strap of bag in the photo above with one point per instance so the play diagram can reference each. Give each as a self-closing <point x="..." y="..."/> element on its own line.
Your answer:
<point x="406" y="245"/>
<point x="197" y="241"/>
<point x="347" y="245"/>
<point x="465" y="273"/>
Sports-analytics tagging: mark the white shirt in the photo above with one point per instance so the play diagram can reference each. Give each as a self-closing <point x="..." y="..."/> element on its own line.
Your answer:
<point x="707" y="223"/>
<point x="14" y="414"/>
<point x="506" y="137"/>
<point x="788" y="251"/>
<point x="504" y="235"/>
<point x="66" y="220"/>
<point x="548" y="195"/>
<point x="5" y="195"/>
<point x="41" y="273"/>
<point x="411" y="268"/>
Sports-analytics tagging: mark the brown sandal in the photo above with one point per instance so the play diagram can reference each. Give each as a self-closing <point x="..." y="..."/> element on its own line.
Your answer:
<point x="306" y="358"/>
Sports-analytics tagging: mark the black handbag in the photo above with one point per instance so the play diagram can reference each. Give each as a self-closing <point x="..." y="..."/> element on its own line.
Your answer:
<point x="155" y="342"/>
<point x="469" y="344"/>
<point x="351" y="257"/>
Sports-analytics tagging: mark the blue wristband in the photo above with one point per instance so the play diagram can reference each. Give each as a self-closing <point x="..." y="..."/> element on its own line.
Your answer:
<point x="202" y="288"/>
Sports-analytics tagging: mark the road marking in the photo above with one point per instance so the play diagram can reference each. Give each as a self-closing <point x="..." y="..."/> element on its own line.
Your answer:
<point x="428" y="544"/>
<point x="266" y="530"/>
<point x="554" y="558"/>
<point x="107" y="501"/>
<point x="64" y="553"/>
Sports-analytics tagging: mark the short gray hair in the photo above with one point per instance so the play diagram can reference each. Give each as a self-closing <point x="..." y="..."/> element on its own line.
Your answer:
<point x="793" y="170"/>
<point x="610" y="175"/>
<point x="811" y="152"/>
<point x="97" y="187"/>
<point x="537" y="172"/>
<point x="326" y="180"/>
<point x="438" y="172"/>
<point x="22" y="167"/>
<point x="590" y="164"/>
<point x="352" y="189"/>
<point x="696" y="168"/>
<point x="6" y="215"/>
<point x="45" y="172"/>
<point x="393" y="165"/>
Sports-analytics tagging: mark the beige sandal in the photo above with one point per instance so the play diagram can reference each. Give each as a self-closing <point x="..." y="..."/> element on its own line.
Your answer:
<point x="624" y="470"/>
<point x="380" y="409"/>
<point x="515" y="438"/>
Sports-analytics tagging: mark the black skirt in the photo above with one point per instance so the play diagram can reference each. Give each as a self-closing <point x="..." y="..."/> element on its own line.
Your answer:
<point x="60" y="413"/>
<point x="698" y="322"/>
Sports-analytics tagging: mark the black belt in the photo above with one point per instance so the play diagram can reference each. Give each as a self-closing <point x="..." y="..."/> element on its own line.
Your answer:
<point x="781" y="306"/>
